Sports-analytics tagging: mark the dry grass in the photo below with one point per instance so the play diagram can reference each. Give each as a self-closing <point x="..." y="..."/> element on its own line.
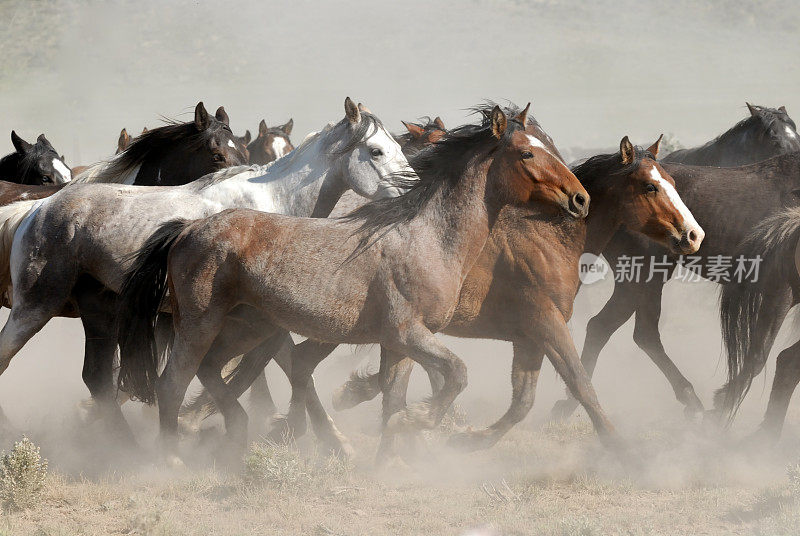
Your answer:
<point x="555" y="480"/>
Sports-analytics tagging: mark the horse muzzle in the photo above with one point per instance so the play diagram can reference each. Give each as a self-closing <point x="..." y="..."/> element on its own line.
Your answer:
<point x="577" y="205"/>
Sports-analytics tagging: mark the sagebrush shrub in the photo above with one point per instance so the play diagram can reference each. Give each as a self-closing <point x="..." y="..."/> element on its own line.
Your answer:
<point x="22" y="475"/>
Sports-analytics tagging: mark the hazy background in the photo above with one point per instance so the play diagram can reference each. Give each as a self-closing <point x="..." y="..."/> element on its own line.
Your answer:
<point x="594" y="70"/>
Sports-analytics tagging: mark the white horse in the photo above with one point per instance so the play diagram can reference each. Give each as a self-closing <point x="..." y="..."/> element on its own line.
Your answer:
<point x="69" y="248"/>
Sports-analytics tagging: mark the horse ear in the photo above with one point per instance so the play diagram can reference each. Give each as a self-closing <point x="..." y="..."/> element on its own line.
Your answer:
<point x="416" y="131"/>
<point x="288" y="126"/>
<point x="499" y="122"/>
<point x="201" y="120"/>
<point x="144" y="131"/>
<point x="439" y="123"/>
<point x="20" y="145"/>
<point x="653" y="149"/>
<point x="124" y="139"/>
<point x="753" y="109"/>
<point x="363" y="109"/>
<point x="262" y="129"/>
<point x="626" y="150"/>
<point x="43" y="140"/>
<point x="782" y="109"/>
<point x="522" y="117"/>
<point x="247" y="137"/>
<point x="222" y="115"/>
<point x="351" y="111"/>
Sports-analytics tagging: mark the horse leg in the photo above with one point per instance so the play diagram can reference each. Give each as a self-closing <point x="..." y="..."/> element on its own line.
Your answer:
<point x="560" y="348"/>
<point x="304" y="359"/>
<point x="525" y="369"/>
<point x="420" y="344"/>
<point x="360" y="387"/>
<point x="324" y="427"/>
<point x="787" y="376"/>
<point x="97" y="309"/>
<point x="617" y="310"/>
<point x="261" y="400"/>
<point x="647" y="336"/>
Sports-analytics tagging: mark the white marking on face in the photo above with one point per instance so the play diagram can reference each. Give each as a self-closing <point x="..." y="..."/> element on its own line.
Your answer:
<point x="790" y="132"/>
<point x="393" y="160"/>
<point x="536" y="142"/>
<point x="59" y="166"/>
<point x="231" y="144"/>
<point x="677" y="202"/>
<point x="279" y="146"/>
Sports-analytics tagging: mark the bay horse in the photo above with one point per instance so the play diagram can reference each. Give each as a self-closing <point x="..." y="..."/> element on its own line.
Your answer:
<point x="712" y="194"/>
<point x="765" y="133"/>
<point x="523" y="285"/>
<point x="392" y="271"/>
<point x="752" y="312"/>
<point x="105" y="223"/>
<point x="422" y="134"/>
<point x="271" y="143"/>
<point x="34" y="163"/>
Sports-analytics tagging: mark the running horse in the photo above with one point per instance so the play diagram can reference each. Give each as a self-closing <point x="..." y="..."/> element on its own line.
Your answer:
<point x="712" y="194"/>
<point x="393" y="271"/>
<point x="73" y="249"/>
<point x="522" y="287"/>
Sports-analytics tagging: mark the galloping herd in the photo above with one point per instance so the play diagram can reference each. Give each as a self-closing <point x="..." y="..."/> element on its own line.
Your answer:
<point x="196" y="252"/>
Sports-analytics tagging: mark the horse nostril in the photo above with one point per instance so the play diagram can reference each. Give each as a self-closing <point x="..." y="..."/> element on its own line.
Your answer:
<point x="692" y="236"/>
<point x="579" y="200"/>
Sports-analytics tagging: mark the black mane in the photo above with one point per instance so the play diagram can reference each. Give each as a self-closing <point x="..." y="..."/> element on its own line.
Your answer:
<point x="439" y="167"/>
<point x="605" y="165"/>
<point x="157" y="143"/>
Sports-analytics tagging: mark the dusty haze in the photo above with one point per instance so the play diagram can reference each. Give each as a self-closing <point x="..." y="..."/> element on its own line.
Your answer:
<point x="595" y="71"/>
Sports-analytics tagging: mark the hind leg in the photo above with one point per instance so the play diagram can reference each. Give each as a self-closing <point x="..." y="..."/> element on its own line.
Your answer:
<point x="210" y="375"/>
<point x="617" y="310"/>
<point x="261" y="400"/>
<point x="99" y="324"/>
<point x="787" y="376"/>
<point x="527" y="363"/>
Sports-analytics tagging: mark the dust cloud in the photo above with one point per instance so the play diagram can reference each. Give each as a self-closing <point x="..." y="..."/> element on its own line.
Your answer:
<point x="594" y="71"/>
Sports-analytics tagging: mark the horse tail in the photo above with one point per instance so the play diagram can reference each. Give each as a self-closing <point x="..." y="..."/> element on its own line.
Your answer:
<point x="143" y="290"/>
<point x="360" y="387"/>
<point x="11" y="217"/>
<point x="744" y="305"/>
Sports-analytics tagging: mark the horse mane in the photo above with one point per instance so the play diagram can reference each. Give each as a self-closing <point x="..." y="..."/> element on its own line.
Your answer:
<point x="439" y="167"/>
<point x="153" y="144"/>
<point x="596" y="168"/>
<point x="484" y="110"/>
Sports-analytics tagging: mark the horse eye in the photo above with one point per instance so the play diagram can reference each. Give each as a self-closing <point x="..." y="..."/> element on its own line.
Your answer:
<point x="526" y="155"/>
<point x="651" y="188"/>
<point x="376" y="152"/>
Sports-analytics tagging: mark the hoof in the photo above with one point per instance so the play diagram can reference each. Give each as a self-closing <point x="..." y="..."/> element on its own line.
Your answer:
<point x="469" y="441"/>
<point x="562" y="409"/>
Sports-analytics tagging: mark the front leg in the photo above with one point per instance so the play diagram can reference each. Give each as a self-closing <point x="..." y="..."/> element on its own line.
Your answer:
<point x="527" y="363"/>
<point x="560" y="348"/>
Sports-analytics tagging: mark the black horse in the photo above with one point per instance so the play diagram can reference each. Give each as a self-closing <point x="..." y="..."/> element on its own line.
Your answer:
<point x="713" y="194"/>
<point x="34" y="163"/>
<point x="767" y="132"/>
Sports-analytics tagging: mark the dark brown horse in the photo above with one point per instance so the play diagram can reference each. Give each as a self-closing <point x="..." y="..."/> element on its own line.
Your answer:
<point x="271" y="143"/>
<point x="421" y="134"/>
<point x="752" y="312"/>
<point x="393" y="271"/>
<point x="765" y="133"/>
<point x="34" y="163"/>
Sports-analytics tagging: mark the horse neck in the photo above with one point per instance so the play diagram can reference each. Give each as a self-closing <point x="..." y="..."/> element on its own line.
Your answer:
<point x="463" y="216"/>
<point x="9" y="168"/>
<point x="604" y="217"/>
<point x="307" y="186"/>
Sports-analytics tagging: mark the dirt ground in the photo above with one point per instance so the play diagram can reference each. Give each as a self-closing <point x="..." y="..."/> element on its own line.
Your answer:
<point x="544" y="479"/>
